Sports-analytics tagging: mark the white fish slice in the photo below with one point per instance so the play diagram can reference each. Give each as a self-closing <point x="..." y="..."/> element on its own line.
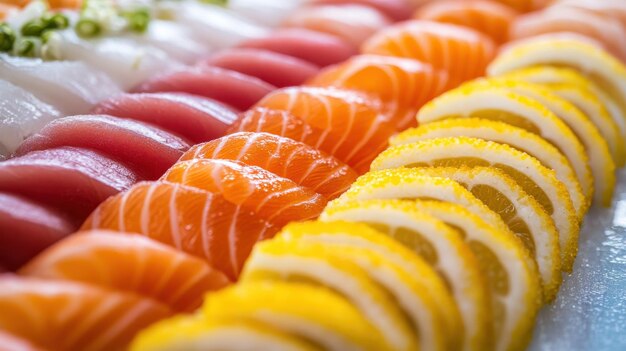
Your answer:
<point x="174" y="39"/>
<point x="71" y="87"/>
<point x="269" y="13"/>
<point x="21" y="115"/>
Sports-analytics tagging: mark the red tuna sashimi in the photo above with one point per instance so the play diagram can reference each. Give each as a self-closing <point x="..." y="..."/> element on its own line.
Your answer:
<point x="146" y="149"/>
<point x="195" y="118"/>
<point x="232" y="88"/>
<point x="277" y="69"/>
<point x="70" y="179"/>
<point x="193" y="220"/>
<point x="319" y="48"/>
<point x="130" y="263"/>
<point x="397" y="10"/>
<point x="26" y="228"/>
<point x="68" y="316"/>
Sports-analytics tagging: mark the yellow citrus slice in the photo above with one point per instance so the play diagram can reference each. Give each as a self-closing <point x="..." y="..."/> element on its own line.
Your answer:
<point x="503" y="133"/>
<point x="517" y="110"/>
<point x="550" y="75"/>
<point x="535" y="179"/>
<point x="195" y="333"/>
<point x="445" y="250"/>
<point x="313" y="313"/>
<point x="510" y="272"/>
<point x="282" y="260"/>
<point x="596" y="64"/>
<point x="432" y="306"/>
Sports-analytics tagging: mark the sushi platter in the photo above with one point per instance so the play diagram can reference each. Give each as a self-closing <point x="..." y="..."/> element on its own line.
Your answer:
<point x="308" y="175"/>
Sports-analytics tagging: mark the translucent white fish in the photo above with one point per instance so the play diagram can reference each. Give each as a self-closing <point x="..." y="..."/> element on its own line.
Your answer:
<point x="71" y="87"/>
<point x="270" y="13"/>
<point x="174" y="39"/>
<point x="21" y="115"/>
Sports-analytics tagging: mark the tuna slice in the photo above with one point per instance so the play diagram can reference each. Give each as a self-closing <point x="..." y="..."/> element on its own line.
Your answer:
<point x="26" y="228"/>
<point x="195" y="118"/>
<point x="277" y="69"/>
<point x="229" y="87"/>
<point x="146" y="149"/>
<point x="67" y="178"/>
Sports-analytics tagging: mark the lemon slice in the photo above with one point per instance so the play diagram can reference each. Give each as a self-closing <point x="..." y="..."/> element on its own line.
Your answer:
<point x="535" y="179"/>
<point x="517" y="110"/>
<point x="503" y="133"/>
<point x="504" y="196"/>
<point x="281" y="260"/>
<point x="193" y="333"/>
<point x="550" y="75"/>
<point x="431" y="286"/>
<point x="501" y="258"/>
<point x="441" y="247"/>
<point x="600" y="67"/>
<point x="316" y="314"/>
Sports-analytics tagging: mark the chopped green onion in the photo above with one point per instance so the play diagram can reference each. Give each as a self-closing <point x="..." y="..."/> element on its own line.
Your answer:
<point x="7" y="37"/>
<point x="138" y="21"/>
<point x="87" y="28"/>
<point x="216" y="2"/>
<point x="56" y="21"/>
<point x="27" y="47"/>
<point x="33" y="28"/>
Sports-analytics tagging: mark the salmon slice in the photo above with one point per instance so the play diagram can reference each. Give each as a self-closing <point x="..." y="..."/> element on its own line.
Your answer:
<point x="26" y="228"/>
<point x="226" y="86"/>
<point x="195" y="118"/>
<point x="563" y="19"/>
<point x="277" y="122"/>
<point x="404" y="85"/>
<point x="609" y="8"/>
<point x="318" y="48"/>
<point x="277" y="69"/>
<point x="129" y="263"/>
<point x="352" y="23"/>
<point x="276" y="199"/>
<point x="10" y="342"/>
<point x="462" y="52"/>
<point x="148" y="150"/>
<point x="199" y="222"/>
<point x="397" y="10"/>
<point x="526" y="5"/>
<point x="352" y="129"/>
<point x="69" y="179"/>
<point x="68" y="316"/>
<point x="488" y="17"/>
<point x="284" y="157"/>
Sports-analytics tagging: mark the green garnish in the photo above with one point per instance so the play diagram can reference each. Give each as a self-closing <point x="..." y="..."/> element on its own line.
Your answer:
<point x="216" y="2"/>
<point x="56" y="21"/>
<point x="87" y="28"/>
<point x="34" y="28"/>
<point x="138" y="20"/>
<point x="7" y="37"/>
<point x="27" y="47"/>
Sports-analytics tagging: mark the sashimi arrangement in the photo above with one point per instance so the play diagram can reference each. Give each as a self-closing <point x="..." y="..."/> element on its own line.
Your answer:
<point x="299" y="175"/>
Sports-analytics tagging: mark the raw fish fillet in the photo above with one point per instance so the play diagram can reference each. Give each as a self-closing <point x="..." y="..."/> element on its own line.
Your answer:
<point x="11" y="342"/>
<point x="26" y="228"/>
<point x="277" y="69"/>
<point x="265" y="12"/>
<point x="215" y="26"/>
<point x="174" y="39"/>
<point x="126" y="61"/>
<point x="462" y="52"/>
<point x="610" y="8"/>
<point x="68" y="316"/>
<point x="607" y="30"/>
<point x="488" y="17"/>
<point x="404" y="85"/>
<point x="352" y="128"/>
<point x="277" y="122"/>
<point x="397" y="10"/>
<point x="67" y="178"/>
<point x="276" y="199"/>
<point x="129" y="263"/>
<point x="284" y="157"/>
<point x="352" y="23"/>
<point x="229" y="87"/>
<point x="319" y="48"/>
<point x="195" y="221"/>
<point x="195" y="118"/>
<point x="148" y="150"/>
<point x="71" y="87"/>
<point x="21" y="114"/>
